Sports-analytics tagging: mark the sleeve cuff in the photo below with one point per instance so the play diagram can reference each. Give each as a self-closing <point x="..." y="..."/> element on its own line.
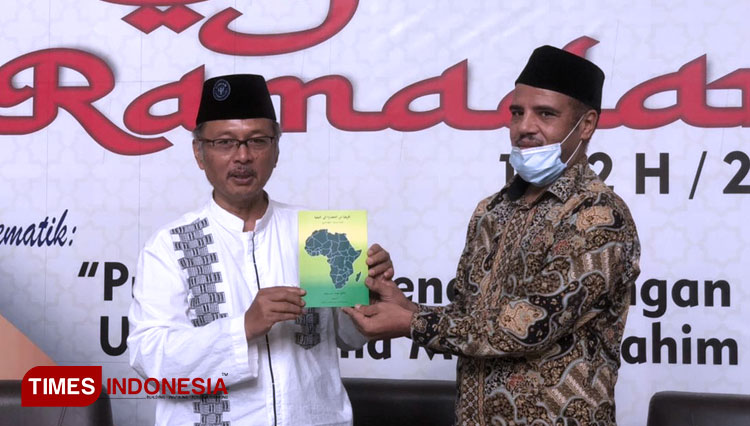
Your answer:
<point x="424" y="326"/>
<point x="245" y="355"/>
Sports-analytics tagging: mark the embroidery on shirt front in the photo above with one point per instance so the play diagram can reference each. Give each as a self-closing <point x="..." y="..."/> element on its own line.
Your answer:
<point x="202" y="279"/>
<point x="197" y="260"/>
<point x="211" y="408"/>
<point x="310" y="334"/>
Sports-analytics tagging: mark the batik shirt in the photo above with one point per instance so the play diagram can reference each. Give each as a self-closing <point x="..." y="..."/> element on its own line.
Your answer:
<point x="196" y="278"/>
<point x="542" y="292"/>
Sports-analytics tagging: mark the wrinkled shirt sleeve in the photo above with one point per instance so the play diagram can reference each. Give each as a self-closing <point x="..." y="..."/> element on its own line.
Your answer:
<point x="163" y="343"/>
<point x="590" y="266"/>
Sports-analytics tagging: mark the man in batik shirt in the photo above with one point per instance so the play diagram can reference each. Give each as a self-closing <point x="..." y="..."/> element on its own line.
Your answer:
<point x="542" y="287"/>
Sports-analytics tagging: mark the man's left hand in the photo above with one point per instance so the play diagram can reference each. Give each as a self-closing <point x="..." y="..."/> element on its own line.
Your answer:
<point x="379" y="262"/>
<point x="382" y="290"/>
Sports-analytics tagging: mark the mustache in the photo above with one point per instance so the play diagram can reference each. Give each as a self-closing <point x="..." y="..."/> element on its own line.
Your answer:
<point x="528" y="141"/>
<point x="242" y="172"/>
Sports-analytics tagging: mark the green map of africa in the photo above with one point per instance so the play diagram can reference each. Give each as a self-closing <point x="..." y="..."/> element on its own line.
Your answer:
<point x="339" y="252"/>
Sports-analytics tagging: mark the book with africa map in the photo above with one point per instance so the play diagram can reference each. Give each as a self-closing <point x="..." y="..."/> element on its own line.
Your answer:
<point x="332" y="255"/>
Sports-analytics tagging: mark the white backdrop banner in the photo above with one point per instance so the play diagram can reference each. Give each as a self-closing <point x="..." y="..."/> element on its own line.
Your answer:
<point x="399" y="108"/>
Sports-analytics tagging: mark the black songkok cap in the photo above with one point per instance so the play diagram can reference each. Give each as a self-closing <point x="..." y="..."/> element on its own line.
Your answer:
<point x="560" y="71"/>
<point x="235" y="96"/>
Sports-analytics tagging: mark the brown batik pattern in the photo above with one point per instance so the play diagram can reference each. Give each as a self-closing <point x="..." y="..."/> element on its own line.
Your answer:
<point x="540" y="308"/>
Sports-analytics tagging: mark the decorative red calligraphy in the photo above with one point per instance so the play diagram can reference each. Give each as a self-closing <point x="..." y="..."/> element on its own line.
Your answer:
<point x="216" y="35"/>
<point x="49" y="96"/>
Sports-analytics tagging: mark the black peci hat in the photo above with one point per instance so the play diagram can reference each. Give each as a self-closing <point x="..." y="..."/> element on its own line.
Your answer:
<point x="560" y="71"/>
<point x="236" y="96"/>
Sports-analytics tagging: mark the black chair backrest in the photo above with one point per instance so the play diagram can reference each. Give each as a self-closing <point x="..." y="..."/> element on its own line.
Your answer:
<point x="378" y="402"/>
<point x="12" y="413"/>
<point x="670" y="408"/>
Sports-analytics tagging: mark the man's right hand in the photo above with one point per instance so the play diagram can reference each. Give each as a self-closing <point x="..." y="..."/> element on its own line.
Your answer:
<point x="270" y="306"/>
<point x="387" y="291"/>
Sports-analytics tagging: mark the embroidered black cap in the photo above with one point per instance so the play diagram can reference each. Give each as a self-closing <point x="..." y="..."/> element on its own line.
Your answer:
<point x="560" y="71"/>
<point x="236" y="96"/>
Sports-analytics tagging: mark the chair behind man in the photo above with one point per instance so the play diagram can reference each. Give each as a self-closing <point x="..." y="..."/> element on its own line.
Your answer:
<point x="670" y="408"/>
<point x="377" y="402"/>
<point x="12" y="413"/>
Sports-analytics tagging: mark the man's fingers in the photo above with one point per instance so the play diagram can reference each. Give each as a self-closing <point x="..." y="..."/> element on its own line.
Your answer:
<point x="374" y="249"/>
<point x="375" y="290"/>
<point x="376" y="254"/>
<point x="358" y="318"/>
<point x="377" y="267"/>
<point x="383" y="320"/>
<point x="384" y="271"/>
<point x="368" y="310"/>
<point x="282" y="290"/>
<point x="361" y="310"/>
<point x="274" y="317"/>
<point x="380" y="268"/>
<point x="378" y="285"/>
<point x="283" y="294"/>
<point x="389" y="273"/>
<point x="370" y="283"/>
<point x="286" y="308"/>
<point x="353" y="312"/>
<point x="378" y="261"/>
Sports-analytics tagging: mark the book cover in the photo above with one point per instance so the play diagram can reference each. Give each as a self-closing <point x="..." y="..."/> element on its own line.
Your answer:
<point x="332" y="255"/>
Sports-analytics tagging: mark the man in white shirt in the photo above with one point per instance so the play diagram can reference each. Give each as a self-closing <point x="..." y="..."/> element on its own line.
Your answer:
<point x="217" y="294"/>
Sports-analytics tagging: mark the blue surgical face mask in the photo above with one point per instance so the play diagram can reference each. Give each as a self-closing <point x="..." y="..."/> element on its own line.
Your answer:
<point x="542" y="165"/>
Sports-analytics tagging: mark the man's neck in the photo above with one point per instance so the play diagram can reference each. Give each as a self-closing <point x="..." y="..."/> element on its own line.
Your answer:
<point x="249" y="211"/>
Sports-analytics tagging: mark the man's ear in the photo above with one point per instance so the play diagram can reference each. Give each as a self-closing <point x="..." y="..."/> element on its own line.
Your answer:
<point x="588" y="124"/>
<point x="198" y="153"/>
<point x="278" y="150"/>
